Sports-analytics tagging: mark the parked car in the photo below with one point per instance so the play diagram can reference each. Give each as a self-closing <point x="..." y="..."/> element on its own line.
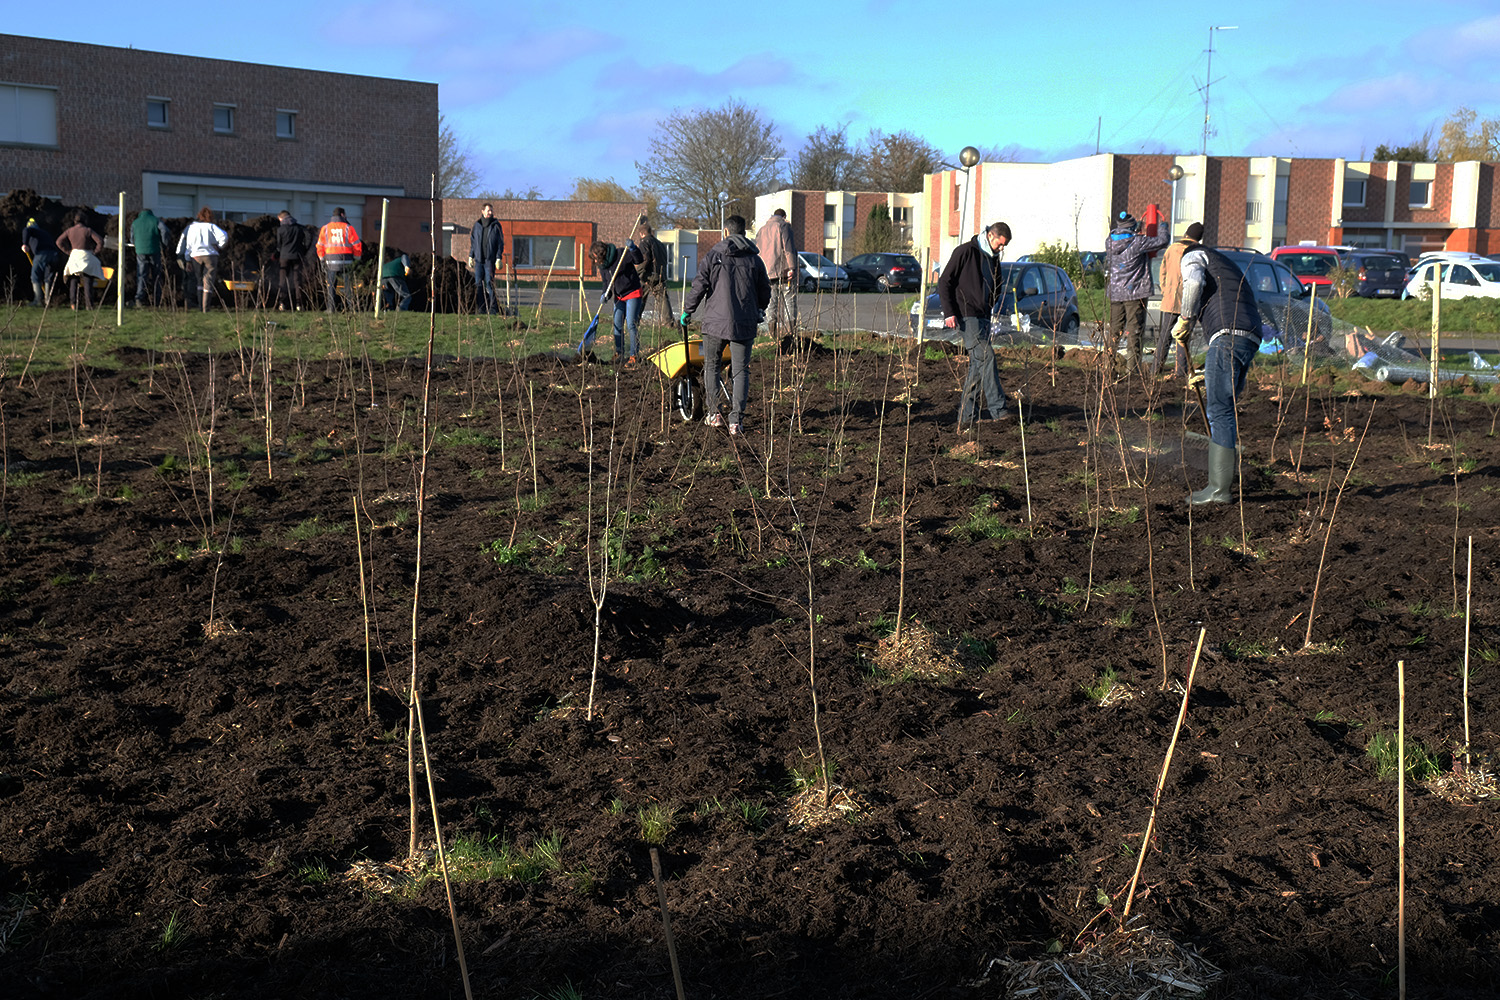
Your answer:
<point x="886" y="272"/>
<point x="1463" y="276"/>
<point x="1042" y="292"/>
<point x="1311" y="264"/>
<point x="1379" y="274"/>
<point x="820" y="272"/>
<point x="1282" y="297"/>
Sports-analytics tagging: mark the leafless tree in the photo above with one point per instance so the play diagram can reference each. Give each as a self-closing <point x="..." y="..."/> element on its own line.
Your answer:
<point x="826" y="162"/>
<point x="456" y="175"/>
<point x="896" y="161"/>
<point x="697" y="154"/>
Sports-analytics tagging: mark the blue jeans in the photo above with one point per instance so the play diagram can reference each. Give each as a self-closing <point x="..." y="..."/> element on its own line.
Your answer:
<point x="147" y="278"/>
<point x="43" y="267"/>
<point x="982" y="382"/>
<point x="628" y="314"/>
<point x="484" y="287"/>
<point x="739" y="362"/>
<point x="1229" y="357"/>
<point x="397" y="285"/>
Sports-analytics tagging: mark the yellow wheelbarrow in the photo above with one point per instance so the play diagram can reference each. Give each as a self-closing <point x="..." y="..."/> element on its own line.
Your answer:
<point x="683" y="364"/>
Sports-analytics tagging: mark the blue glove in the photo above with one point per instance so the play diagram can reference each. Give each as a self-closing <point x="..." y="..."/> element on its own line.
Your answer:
<point x="686" y="317"/>
<point x="602" y="297"/>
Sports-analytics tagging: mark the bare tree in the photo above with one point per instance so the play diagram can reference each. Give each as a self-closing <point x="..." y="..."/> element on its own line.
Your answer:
<point x="999" y="154"/>
<point x="826" y="162"/>
<point x="1465" y="137"/>
<point x="697" y="154"/>
<point x="897" y="161"/>
<point x="456" y="175"/>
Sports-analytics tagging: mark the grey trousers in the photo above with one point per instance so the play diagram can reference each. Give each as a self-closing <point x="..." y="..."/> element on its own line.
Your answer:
<point x="982" y="382"/>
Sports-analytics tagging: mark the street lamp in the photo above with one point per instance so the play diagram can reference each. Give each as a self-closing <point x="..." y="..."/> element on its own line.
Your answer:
<point x="1173" y="176"/>
<point x="723" y="200"/>
<point x="968" y="157"/>
<point x="1208" y="79"/>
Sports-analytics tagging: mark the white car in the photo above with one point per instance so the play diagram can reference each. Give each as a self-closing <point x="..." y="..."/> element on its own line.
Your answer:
<point x="820" y="272"/>
<point x="1463" y="276"/>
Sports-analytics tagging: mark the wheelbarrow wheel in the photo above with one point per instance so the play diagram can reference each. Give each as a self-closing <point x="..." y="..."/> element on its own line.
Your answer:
<point x="687" y="398"/>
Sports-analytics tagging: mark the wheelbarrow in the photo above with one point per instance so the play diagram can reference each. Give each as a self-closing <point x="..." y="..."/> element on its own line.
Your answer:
<point x="683" y="364"/>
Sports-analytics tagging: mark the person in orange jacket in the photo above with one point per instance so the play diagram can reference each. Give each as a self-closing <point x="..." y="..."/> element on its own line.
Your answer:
<point x="339" y="248"/>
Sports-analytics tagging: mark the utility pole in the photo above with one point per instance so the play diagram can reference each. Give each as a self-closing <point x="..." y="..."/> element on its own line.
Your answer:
<point x="1208" y="80"/>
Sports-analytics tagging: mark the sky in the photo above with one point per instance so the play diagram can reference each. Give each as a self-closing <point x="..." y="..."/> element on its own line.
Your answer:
<point x="545" y="93"/>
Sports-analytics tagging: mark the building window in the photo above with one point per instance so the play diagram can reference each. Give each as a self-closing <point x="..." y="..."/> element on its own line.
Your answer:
<point x="28" y="115"/>
<point x="830" y="212"/>
<point x="1252" y="211"/>
<point x="1354" y="192"/>
<point x="1420" y="195"/>
<point x="540" y="252"/>
<point x="901" y="214"/>
<point x="286" y="124"/>
<point x="224" y="119"/>
<point x="157" y="115"/>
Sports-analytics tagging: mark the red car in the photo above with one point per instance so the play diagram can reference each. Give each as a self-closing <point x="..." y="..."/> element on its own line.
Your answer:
<point x="1310" y="264"/>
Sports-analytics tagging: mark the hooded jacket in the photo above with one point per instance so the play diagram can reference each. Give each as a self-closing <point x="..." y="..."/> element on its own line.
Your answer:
<point x="1171" y="275"/>
<point x="732" y="279"/>
<point x="1128" y="257"/>
<point x="967" y="285"/>
<point x="778" y="250"/>
<point x="338" y="244"/>
<point x="291" y="240"/>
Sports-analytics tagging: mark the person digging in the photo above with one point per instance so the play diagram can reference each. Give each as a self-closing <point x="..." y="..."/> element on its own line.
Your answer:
<point x="1216" y="295"/>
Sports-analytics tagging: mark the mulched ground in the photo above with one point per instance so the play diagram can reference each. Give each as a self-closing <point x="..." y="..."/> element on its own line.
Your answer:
<point x="184" y="737"/>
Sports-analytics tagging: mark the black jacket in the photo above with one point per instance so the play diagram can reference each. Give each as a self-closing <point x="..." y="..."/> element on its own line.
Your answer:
<point x="626" y="279"/>
<point x="733" y="280"/>
<point x="487" y="241"/>
<point x="967" y="285"/>
<point x="291" y="240"/>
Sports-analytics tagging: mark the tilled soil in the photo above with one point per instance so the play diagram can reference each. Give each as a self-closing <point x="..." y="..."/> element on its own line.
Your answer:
<point x="185" y="740"/>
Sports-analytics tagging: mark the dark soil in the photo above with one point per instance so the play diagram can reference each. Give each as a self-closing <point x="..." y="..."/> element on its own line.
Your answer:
<point x="152" y="770"/>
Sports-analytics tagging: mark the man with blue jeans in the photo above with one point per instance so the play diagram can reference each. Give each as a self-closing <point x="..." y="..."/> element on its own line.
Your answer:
<point x="968" y="289"/>
<point x="1218" y="296"/>
<point x="733" y="287"/>
<point x="41" y="247"/>
<point x="486" y="248"/>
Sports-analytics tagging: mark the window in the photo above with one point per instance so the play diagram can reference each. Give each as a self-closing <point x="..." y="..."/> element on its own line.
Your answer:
<point x="1420" y="195"/>
<point x="830" y="213"/>
<point x="286" y="124"/>
<point x="1461" y="275"/>
<point x="1354" y="191"/>
<point x="224" y="118"/>
<point x="28" y="115"/>
<point x="541" y="252"/>
<point x="1252" y="211"/>
<point x="1262" y="277"/>
<point x="901" y="214"/>
<point x="157" y="115"/>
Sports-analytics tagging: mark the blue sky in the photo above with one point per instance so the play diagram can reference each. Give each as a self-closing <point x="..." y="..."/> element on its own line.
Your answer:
<point x="547" y="92"/>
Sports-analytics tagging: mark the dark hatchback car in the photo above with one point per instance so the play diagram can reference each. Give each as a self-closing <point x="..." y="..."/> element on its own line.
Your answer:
<point x="885" y="272"/>
<point x="1041" y="291"/>
<point x="1380" y="275"/>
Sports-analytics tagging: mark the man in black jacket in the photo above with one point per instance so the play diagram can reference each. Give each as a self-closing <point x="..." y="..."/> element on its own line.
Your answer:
<point x="968" y="289"/>
<point x="486" y="246"/>
<point x="732" y="280"/>
<point x="291" y="248"/>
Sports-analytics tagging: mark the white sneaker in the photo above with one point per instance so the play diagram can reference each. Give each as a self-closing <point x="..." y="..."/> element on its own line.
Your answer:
<point x="734" y="430"/>
<point x="715" y="420"/>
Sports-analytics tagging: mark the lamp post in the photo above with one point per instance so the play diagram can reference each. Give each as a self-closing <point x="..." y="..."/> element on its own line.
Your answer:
<point x="723" y="200"/>
<point x="968" y="157"/>
<point x="1173" y="176"/>
<point x="1208" y="79"/>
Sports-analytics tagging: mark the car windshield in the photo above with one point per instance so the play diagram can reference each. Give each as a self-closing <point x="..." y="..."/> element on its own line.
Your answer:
<point x="816" y="260"/>
<point x="1317" y="264"/>
<point x="905" y="260"/>
<point x="1381" y="263"/>
<point x="1489" y="272"/>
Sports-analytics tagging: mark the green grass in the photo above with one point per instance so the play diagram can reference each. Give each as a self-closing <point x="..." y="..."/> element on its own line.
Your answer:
<point x="1102" y="684"/>
<point x="505" y="554"/>
<point x="480" y="859"/>
<point x="172" y="933"/>
<point x="1412" y="315"/>
<point x="1421" y="764"/>
<point x="313" y="873"/>
<point x="656" y="822"/>
<point x="314" y="526"/>
<point x="984" y="521"/>
<point x="19" y="480"/>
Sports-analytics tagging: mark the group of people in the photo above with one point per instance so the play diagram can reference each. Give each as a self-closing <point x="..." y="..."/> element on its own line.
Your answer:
<point x="76" y="249"/>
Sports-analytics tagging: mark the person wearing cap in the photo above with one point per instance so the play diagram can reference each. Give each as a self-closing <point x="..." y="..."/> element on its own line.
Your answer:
<point x="41" y="247"/>
<point x="1218" y="296"/>
<point x="1171" y="298"/>
<point x="968" y="289"/>
<point x="1128" y="264"/>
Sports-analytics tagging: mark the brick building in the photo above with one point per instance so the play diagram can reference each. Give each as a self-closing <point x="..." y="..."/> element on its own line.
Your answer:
<point x="81" y="123"/>
<point x="1257" y="201"/>
<point x="833" y="222"/>
<point x="542" y="235"/>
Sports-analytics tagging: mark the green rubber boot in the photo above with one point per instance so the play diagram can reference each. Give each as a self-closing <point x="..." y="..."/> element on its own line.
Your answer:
<point x="1220" y="488"/>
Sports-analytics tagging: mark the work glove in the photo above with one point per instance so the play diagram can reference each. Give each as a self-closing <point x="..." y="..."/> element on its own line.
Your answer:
<point x="1195" y="380"/>
<point x="685" y="318"/>
<point x="1182" y="330"/>
<point x="602" y="297"/>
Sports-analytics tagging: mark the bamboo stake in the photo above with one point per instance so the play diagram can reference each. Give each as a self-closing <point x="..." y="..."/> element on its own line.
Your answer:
<point x="364" y="600"/>
<point x="1468" y="607"/>
<point x="1025" y="469"/>
<point x="1162" y="780"/>
<point x="1312" y="311"/>
<point x="1401" y="832"/>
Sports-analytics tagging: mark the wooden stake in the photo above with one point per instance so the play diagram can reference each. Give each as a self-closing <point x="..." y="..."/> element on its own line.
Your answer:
<point x="666" y="922"/>
<point x="1161" y="781"/>
<point x="1468" y="607"/>
<point x="1401" y="832"/>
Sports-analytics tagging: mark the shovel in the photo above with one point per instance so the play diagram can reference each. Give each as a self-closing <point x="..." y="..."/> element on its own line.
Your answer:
<point x="593" y="328"/>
